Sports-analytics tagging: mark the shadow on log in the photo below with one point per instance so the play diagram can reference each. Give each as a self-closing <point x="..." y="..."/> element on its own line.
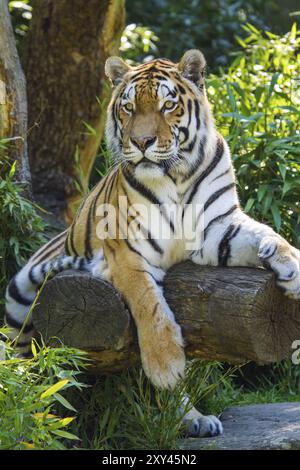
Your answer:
<point x="229" y="314"/>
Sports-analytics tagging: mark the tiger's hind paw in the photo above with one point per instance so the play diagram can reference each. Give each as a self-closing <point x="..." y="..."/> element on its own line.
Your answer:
<point x="204" y="426"/>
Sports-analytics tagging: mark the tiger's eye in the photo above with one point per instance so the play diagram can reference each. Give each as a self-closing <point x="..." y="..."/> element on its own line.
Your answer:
<point x="169" y="105"/>
<point x="128" y="107"/>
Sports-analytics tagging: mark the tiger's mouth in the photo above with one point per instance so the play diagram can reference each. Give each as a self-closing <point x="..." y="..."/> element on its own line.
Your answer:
<point x="148" y="163"/>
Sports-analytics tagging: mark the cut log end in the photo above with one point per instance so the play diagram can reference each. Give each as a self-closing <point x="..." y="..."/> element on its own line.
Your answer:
<point x="228" y="314"/>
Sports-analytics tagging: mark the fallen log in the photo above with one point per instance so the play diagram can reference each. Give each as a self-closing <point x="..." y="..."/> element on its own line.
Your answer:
<point x="229" y="314"/>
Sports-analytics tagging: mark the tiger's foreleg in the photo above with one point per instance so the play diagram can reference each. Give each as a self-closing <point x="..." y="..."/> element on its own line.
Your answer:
<point x="246" y="242"/>
<point x="159" y="336"/>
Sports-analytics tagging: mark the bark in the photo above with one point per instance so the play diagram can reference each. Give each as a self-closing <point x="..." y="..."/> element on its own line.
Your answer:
<point x="13" y="100"/>
<point x="229" y="314"/>
<point x="67" y="48"/>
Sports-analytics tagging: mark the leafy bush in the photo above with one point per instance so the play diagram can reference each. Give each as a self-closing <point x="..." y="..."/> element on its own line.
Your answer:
<point x="256" y="105"/>
<point x="30" y="396"/>
<point x="21" y="227"/>
<point x="210" y="25"/>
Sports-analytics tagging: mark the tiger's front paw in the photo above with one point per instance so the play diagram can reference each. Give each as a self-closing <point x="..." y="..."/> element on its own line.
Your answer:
<point x="163" y="355"/>
<point x="284" y="260"/>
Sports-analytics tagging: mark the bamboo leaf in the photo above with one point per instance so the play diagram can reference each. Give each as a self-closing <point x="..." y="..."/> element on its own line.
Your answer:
<point x="282" y="169"/>
<point x="293" y="32"/>
<point x="64" y="402"/>
<point x="33" y="349"/>
<point x="272" y="85"/>
<point x="52" y="390"/>
<point x="276" y="217"/>
<point x="66" y="421"/>
<point x="65" y="434"/>
<point x="249" y="204"/>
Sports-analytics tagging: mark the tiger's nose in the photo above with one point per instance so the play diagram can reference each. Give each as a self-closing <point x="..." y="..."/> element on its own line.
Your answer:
<point x="142" y="143"/>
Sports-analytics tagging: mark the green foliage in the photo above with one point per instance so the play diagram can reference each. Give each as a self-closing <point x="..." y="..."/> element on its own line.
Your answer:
<point x="256" y="105"/>
<point x="21" y="227"/>
<point x="269" y="384"/>
<point x="286" y="377"/>
<point x="31" y="391"/>
<point x="44" y="406"/>
<point x="138" y="43"/>
<point x="21" y="14"/>
<point x="4" y="157"/>
<point x="126" y="412"/>
<point x="210" y="25"/>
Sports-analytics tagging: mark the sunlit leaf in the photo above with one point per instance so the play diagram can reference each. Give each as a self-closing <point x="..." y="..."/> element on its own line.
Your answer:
<point x="66" y="421"/>
<point x="28" y="445"/>
<point x="50" y="391"/>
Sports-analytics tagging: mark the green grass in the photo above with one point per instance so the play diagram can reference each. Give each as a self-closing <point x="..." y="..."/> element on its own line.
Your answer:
<point x="126" y="412"/>
<point x="276" y="384"/>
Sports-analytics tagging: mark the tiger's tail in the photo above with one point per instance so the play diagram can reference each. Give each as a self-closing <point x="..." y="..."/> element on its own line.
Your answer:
<point x="21" y="292"/>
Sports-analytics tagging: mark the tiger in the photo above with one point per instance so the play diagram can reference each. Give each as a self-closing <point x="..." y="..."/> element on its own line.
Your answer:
<point x="167" y="154"/>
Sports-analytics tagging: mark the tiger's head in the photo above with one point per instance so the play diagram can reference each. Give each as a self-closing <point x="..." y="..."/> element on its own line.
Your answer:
<point x="158" y="118"/>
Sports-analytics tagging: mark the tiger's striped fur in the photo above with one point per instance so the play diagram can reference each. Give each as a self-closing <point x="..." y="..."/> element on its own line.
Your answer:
<point x="168" y="154"/>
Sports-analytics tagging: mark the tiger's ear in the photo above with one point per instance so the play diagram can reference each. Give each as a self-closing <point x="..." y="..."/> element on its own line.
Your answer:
<point x="192" y="67"/>
<point x="115" y="69"/>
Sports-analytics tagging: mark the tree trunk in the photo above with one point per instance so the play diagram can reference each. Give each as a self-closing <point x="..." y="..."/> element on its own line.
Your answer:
<point x="229" y="314"/>
<point x="67" y="48"/>
<point x="13" y="101"/>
